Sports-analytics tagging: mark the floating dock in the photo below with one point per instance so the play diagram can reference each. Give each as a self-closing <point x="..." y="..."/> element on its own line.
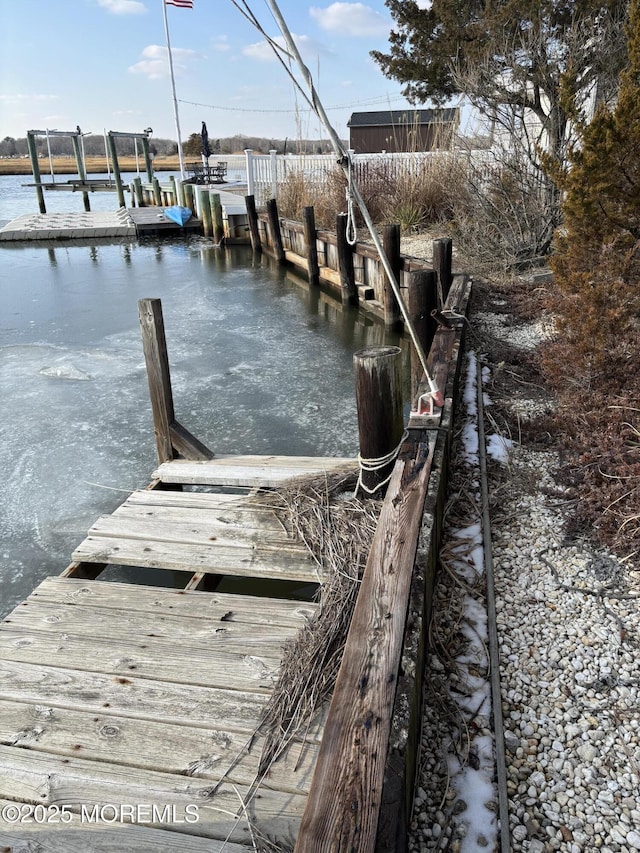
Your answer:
<point x="130" y="222"/>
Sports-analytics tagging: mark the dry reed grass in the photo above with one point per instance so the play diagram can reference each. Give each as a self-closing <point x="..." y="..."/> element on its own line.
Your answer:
<point x="337" y="529"/>
<point x="325" y="192"/>
<point x="414" y="193"/>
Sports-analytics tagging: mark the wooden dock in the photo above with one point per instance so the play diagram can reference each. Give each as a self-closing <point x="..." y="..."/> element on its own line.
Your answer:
<point x="118" y="698"/>
<point x="130" y="715"/>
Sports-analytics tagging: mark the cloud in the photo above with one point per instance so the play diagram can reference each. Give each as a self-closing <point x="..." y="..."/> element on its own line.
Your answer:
<point x="308" y="47"/>
<point x="155" y="61"/>
<point x="351" y="19"/>
<point x="220" y="44"/>
<point x="17" y="97"/>
<point x="123" y="7"/>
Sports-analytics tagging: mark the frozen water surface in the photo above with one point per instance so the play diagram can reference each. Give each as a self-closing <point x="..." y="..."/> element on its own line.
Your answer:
<point x="259" y="365"/>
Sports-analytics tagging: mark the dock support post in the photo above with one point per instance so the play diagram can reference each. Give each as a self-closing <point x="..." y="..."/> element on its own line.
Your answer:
<point x="154" y="345"/>
<point x="252" y="218"/>
<point x="274" y="228"/>
<point x="391" y="246"/>
<point x="345" y="263"/>
<point x="148" y="165"/>
<point x="171" y="437"/>
<point x="189" y="200"/>
<point x="82" y="174"/>
<point x="421" y="301"/>
<point x="311" y="245"/>
<point x="157" y="192"/>
<point x="174" y="190"/>
<point x="442" y="253"/>
<point x="180" y="193"/>
<point x="136" y="183"/>
<point x="380" y="419"/>
<point x="216" y="218"/>
<point x="138" y="192"/>
<point x="116" y="169"/>
<point x="35" y="168"/>
<point x="205" y="211"/>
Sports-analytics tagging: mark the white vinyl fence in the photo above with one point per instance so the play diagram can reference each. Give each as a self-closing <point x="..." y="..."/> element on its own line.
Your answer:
<point x="263" y="173"/>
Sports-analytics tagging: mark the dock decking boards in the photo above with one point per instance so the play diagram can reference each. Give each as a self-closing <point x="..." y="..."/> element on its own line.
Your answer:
<point x="218" y="534"/>
<point x="130" y="695"/>
<point x="120" y="694"/>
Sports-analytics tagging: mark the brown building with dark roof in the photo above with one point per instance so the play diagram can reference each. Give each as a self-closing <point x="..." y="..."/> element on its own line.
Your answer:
<point x="403" y="130"/>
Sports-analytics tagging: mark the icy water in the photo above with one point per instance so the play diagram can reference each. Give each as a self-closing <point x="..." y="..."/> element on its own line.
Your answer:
<point x="259" y="365"/>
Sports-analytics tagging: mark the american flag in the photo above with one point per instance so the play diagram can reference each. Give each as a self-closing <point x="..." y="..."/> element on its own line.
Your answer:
<point x="181" y="4"/>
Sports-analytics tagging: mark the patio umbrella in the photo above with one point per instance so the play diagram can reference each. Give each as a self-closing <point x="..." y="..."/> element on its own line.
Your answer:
<point x="206" y="151"/>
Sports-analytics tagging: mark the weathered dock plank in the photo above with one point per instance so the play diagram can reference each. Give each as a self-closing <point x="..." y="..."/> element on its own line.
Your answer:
<point x="104" y="702"/>
<point x="230" y="519"/>
<point x="131" y="696"/>
<point x="79" y="836"/>
<point x="212" y="606"/>
<point x="32" y="776"/>
<point x="262" y="471"/>
<point x="193" y="527"/>
<point x="187" y="557"/>
<point x="346" y="793"/>
<point x="212" y="637"/>
<point x="212" y="754"/>
<point x="148" y="659"/>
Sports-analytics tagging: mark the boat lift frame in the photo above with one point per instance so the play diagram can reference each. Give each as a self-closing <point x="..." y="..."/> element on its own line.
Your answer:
<point x="83" y="184"/>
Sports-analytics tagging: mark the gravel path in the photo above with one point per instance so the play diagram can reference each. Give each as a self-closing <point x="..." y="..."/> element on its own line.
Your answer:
<point x="568" y="627"/>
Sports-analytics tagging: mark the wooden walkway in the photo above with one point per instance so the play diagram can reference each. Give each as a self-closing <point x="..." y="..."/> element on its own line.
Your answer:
<point x="116" y="699"/>
<point x="129" y="714"/>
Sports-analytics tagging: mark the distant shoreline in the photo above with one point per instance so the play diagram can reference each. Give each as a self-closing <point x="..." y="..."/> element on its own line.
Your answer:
<point x="94" y="165"/>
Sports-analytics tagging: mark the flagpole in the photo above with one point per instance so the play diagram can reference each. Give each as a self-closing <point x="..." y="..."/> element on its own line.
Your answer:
<point x="173" y="89"/>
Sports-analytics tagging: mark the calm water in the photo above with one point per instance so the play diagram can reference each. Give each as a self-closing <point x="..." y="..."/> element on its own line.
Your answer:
<point x="259" y="365"/>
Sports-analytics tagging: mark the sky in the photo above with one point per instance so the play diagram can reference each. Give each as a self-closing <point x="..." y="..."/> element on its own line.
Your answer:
<point x="102" y="65"/>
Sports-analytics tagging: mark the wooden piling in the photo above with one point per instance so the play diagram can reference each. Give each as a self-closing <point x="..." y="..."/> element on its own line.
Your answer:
<point x="380" y="419"/>
<point x="345" y="262"/>
<point x="155" y="354"/>
<point x="171" y="437"/>
<point x="422" y="299"/>
<point x="252" y="218"/>
<point x="180" y="193"/>
<point x="157" y="192"/>
<point x="189" y="200"/>
<point x="81" y="170"/>
<point x="216" y="217"/>
<point x="311" y="245"/>
<point x="442" y="254"/>
<point x="148" y="165"/>
<point x="274" y="230"/>
<point x="116" y="169"/>
<point x="35" y="168"/>
<point x="137" y="191"/>
<point x="174" y="189"/>
<point x="205" y="211"/>
<point x="391" y="246"/>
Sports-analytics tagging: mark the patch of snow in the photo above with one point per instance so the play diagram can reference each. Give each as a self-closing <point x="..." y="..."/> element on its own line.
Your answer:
<point x="65" y="371"/>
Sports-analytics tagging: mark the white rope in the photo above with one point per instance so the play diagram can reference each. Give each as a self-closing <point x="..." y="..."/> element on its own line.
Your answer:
<point x="377" y="464"/>
<point x="351" y="230"/>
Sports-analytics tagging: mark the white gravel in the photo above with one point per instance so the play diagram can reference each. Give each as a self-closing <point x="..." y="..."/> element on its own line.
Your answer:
<point x="568" y="624"/>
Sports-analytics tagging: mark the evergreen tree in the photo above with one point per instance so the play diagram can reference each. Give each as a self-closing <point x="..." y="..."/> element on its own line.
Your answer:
<point x="597" y="258"/>
<point x="508" y="55"/>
